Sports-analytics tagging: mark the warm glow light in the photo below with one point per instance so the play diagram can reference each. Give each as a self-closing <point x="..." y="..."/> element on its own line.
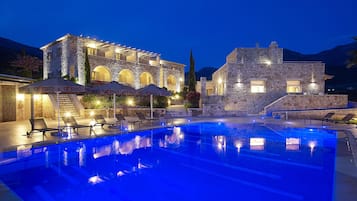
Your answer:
<point x="92" y="45"/>
<point x="117" y="50"/>
<point x="97" y="102"/>
<point x="220" y="81"/>
<point x="130" y="102"/>
<point x="257" y="86"/>
<point x="177" y="96"/>
<point x="91" y="113"/>
<point x="181" y="80"/>
<point x="168" y="101"/>
<point x="92" y="123"/>
<point x="67" y="114"/>
<point x="152" y="63"/>
<point x="267" y="62"/>
<point x="20" y="97"/>
<point x="36" y="96"/>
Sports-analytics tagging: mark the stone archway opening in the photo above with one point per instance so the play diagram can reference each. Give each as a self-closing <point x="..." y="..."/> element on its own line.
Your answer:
<point x="145" y="79"/>
<point x="126" y="76"/>
<point x="171" y="83"/>
<point x="101" y="73"/>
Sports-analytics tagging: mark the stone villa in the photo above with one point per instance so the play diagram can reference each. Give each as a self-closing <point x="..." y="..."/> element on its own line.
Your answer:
<point x="110" y="62"/>
<point x="258" y="80"/>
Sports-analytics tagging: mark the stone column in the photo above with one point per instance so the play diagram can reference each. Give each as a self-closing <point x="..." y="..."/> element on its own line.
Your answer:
<point x="80" y="62"/>
<point x="136" y="73"/>
<point x="64" y="58"/>
<point x="203" y="81"/>
<point x="46" y="63"/>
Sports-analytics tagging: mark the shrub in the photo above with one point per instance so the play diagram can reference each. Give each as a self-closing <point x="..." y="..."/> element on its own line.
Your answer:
<point x="193" y="99"/>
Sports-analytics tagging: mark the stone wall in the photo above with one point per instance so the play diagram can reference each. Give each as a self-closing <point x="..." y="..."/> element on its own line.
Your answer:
<point x="244" y="65"/>
<point x="307" y="102"/>
<point x="66" y="56"/>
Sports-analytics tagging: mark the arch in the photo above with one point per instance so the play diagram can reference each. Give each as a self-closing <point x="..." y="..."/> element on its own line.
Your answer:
<point x="101" y="73"/>
<point x="171" y="83"/>
<point x="126" y="76"/>
<point x="145" y="79"/>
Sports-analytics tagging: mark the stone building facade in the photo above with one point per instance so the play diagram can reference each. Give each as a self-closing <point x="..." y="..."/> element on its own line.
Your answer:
<point x="110" y="62"/>
<point x="253" y="78"/>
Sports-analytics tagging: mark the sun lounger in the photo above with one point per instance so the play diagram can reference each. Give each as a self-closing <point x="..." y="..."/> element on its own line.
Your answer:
<point x="72" y="123"/>
<point x="347" y="118"/>
<point x="120" y="119"/>
<point x="328" y="116"/>
<point x="40" y="125"/>
<point x="143" y="119"/>
<point x="100" y="120"/>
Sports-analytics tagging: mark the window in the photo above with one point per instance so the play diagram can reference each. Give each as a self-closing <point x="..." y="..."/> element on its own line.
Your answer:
<point x="257" y="86"/>
<point x="117" y="56"/>
<point x="293" y="86"/>
<point x="92" y="51"/>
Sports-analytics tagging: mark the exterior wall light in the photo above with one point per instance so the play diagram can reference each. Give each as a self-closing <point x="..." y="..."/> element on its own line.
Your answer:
<point x="20" y="97"/>
<point x="130" y="102"/>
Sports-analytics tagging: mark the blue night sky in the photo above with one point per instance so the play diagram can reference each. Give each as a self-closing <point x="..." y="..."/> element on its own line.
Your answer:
<point x="212" y="29"/>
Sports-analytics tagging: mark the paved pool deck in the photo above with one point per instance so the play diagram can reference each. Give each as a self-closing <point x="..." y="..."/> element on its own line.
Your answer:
<point x="13" y="135"/>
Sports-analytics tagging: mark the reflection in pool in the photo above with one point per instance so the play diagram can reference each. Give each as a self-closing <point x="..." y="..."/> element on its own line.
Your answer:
<point x="206" y="161"/>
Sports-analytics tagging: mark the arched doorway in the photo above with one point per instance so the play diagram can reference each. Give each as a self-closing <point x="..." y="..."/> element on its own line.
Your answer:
<point x="145" y="79"/>
<point x="171" y="83"/>
<point x="126" y="77"/>
<point x="101" y="73"/>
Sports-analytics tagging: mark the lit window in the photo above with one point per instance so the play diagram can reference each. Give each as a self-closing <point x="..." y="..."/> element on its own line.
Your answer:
<point x="91" y="51"/>
<point x="117" y="56"/>
<point x="257" y="86"/>
<point x="293" y="86"/>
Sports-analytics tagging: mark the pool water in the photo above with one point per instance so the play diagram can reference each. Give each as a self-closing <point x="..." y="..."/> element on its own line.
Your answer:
<point x="203" y="161"/>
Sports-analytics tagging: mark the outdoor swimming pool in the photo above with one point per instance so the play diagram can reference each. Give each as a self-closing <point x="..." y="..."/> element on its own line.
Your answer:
<point x="201" y="161"/>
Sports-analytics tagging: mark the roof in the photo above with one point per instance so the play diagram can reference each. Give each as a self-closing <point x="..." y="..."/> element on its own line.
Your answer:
<point x="14" y="78"/>
<point x="101" y="42"/>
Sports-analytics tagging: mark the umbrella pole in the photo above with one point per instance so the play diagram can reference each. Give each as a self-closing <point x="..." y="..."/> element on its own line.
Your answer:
<point x="151" y="107"/>
<point x="114" y="106"/>
<point x="58" y="111"/>
<point x="32" y="111"/>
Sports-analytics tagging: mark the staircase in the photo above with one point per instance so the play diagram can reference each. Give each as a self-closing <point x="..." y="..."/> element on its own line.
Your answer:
<point x="66" y="105"/>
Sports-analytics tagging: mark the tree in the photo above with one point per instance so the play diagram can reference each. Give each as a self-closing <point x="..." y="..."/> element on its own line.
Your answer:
<point x="27" y="64"/>
<point x="87" y="69"/>
<point x="191" y="75"/>
<point x="352" y="62"/>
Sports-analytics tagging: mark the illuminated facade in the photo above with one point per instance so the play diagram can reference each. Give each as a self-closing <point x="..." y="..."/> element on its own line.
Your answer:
<point x="253" y="78"/>
<point x="110" y="62"/>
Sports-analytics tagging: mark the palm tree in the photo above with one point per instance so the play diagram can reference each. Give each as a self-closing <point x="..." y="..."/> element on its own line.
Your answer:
<point x="352" y="62"/>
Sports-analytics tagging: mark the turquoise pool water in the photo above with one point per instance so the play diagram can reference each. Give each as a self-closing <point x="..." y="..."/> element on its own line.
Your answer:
<point x="205" y="161"/>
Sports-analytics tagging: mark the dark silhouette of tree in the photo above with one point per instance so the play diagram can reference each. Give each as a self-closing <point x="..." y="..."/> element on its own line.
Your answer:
<point x="352" y="62"/>
<point x="26" y="64"/>
<point x="87" y="69"/>
<point x="191" y="75"/>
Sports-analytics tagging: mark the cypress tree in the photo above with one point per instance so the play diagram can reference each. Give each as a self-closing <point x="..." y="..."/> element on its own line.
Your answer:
<point x="87" y="69"/>
<point x="191" y="75"/>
